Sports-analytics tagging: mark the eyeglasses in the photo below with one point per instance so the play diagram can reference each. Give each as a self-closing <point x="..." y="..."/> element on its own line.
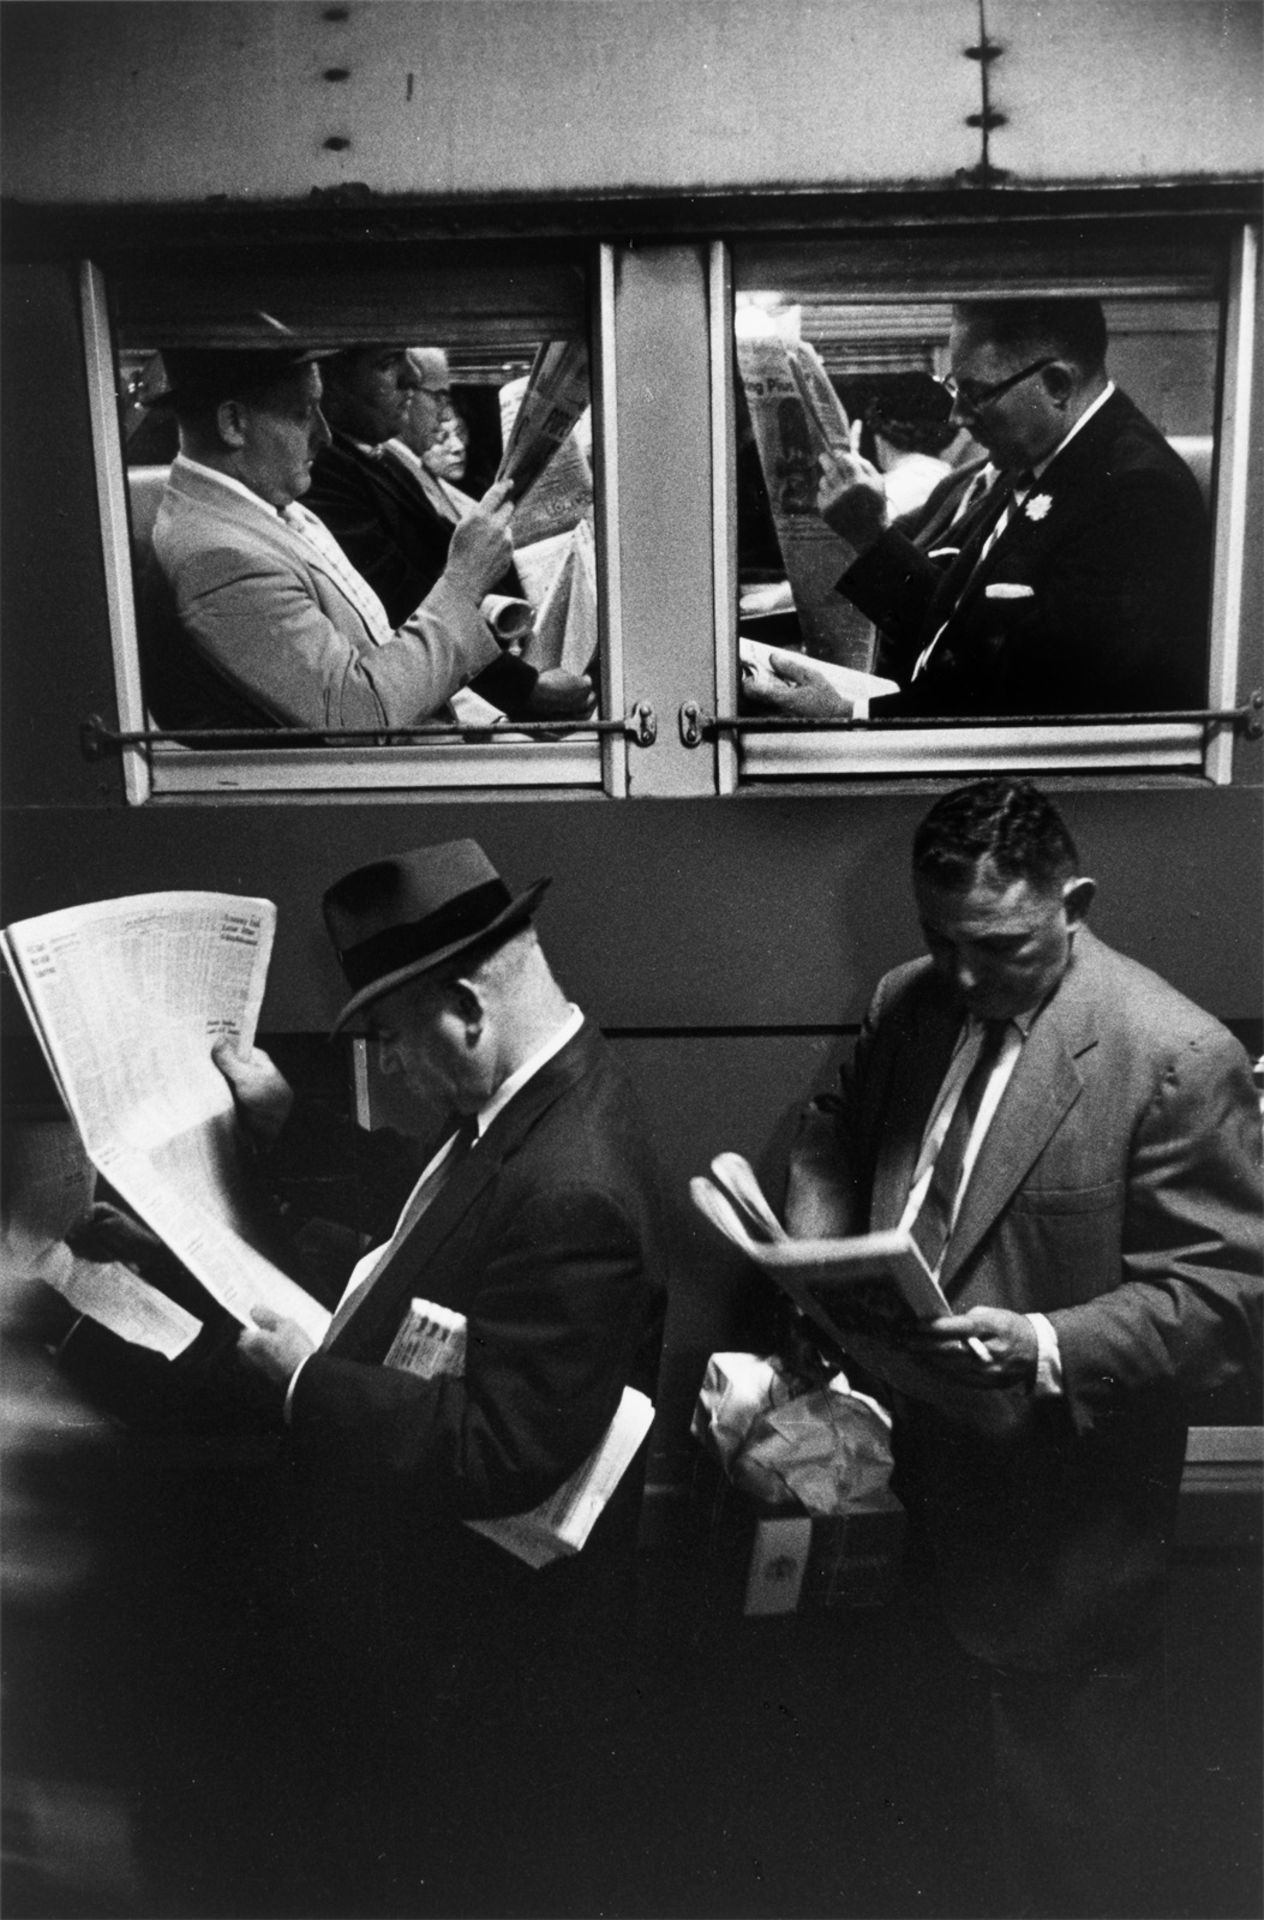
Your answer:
<point x="976" y="398"/>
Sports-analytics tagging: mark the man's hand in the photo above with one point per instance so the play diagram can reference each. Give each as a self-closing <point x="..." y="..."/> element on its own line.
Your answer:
<point x="274" y="1347"/>
<point x="561" y="696"/>
<point x="851" y="499"/>
<point x="481" y="548"/>
<point x="262" y="1094"/>
<point x="986" y="1347"/>
<point x="793" y="687"/>
<point x="102" y="1234"/>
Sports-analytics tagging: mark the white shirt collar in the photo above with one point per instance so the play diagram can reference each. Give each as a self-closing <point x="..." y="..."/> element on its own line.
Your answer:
<point x="529" y="1068"/>
<point x="1094" y="407"/>
<point x="183" y="464"/>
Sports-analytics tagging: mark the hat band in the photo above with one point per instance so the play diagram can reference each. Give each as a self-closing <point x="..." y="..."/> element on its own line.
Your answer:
<point x="398" y="947"/>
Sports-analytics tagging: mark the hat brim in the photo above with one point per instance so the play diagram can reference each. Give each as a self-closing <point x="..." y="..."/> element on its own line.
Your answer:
<point x="171" y="397"/>
<point x="519" y="909"/>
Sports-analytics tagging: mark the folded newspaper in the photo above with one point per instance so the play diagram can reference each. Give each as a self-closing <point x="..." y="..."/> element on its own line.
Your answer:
<point x="127" y="998"/>
<point x="431" y="1342"/>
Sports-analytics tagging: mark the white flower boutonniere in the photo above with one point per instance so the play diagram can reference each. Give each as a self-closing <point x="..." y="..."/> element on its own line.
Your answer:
<point x="1038" y="506"/>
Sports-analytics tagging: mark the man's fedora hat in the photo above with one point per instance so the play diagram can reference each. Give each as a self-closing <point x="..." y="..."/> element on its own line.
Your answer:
<point x="402" y="917"/>
<point x="203" y="376"/>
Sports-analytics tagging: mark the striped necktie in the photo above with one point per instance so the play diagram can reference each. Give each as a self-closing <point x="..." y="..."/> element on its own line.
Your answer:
<point x="933" y="1224"/>
<point x="309" y="527"/>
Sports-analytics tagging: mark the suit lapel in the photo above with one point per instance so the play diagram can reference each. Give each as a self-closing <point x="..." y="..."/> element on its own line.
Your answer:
<point x="1063" y="484"/>
<point x="366" y="1332"/>
<point x="1046" y="1082"/>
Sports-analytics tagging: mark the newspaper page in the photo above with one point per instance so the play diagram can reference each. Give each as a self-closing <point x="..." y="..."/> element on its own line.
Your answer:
<point x="537" y="426"/>
<point x="431" y="1341"/>
<point x="795" y="415"/>
<point x="560" y="575"/>
<point x="128" y="997"/>
<point x="48" y="1185"/>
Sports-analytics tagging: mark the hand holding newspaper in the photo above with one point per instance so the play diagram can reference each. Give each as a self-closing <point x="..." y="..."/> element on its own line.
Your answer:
<point x="431" y="1342"/>
<point x="866" y="1288"/>
<point x="127" y="998"/>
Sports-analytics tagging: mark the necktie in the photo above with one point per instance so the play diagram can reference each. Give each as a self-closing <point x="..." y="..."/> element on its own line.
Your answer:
<point x="933" y="1223"/>
<point x="311" y="529"/>
<point x="420" y="1201"/>
<point x="981" y="529"/>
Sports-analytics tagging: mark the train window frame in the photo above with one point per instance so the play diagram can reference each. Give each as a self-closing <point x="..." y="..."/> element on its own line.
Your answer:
<point x="756" y="760"/>
<point x="582" y="763"/>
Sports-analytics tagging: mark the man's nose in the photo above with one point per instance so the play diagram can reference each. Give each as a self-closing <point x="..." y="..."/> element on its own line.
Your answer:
<point x="409" y="379"/>
<point x="961" y="413"/>
<point x="321" y="436"/>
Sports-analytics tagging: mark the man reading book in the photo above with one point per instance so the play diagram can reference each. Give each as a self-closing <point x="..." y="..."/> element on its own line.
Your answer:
<point x="1076" y="1149"/>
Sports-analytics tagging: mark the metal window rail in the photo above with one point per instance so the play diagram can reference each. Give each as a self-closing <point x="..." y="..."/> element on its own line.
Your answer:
<point x="697" y="726"/>
<point x="99" y="742"/>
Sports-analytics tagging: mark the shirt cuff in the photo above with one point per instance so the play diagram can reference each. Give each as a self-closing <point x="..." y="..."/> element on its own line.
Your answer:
<point x="1048" y="1359"/>
<point x="288" y="1409"/>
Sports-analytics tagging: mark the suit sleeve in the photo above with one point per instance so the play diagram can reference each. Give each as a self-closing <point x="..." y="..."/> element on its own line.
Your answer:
<point x="403" y="576"/>
<point x="1119" y="610"/>
<point x="259" y="624"/>
<point x="552" y="1332"/>
<point x="1186" y="1314"/>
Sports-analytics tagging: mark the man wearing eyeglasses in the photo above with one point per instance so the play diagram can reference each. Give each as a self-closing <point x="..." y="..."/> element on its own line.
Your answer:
<point x="1075" y="579"/>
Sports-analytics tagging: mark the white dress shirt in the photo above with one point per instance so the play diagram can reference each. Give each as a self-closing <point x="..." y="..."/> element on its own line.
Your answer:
<point x="969" y="1044"/>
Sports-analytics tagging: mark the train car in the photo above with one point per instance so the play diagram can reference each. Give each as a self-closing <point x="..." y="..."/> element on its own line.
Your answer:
<point x="686" y="194"/>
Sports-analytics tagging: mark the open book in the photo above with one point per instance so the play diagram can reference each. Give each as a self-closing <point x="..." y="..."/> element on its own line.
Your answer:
<point x="873" y="1284"/>
<point x="430" y="1342"/>
<point x="127" y="998"/>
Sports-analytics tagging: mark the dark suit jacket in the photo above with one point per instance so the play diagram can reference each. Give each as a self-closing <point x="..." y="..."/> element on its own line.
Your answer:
<point x="394" y="537"/>
<point x="547" y="1239"/>
<point x="1117" y="565"/>
<point x="1118" y="1192"/>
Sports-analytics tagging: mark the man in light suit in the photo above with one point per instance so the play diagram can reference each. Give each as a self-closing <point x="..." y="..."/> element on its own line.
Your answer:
<point x="251" y="614"/>
<point x="1098" y="1241"/>
<point x="1078" y="582"/>
<point x="473" y="1688"/>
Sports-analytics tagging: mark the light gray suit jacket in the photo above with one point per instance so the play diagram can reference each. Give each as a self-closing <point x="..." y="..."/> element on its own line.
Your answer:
<point x="1117" y="1191"/>
<point x="268" y="616"/>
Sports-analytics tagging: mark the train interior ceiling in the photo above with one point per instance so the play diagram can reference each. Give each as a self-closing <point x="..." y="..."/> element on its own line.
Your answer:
<point x="683" y="193"/>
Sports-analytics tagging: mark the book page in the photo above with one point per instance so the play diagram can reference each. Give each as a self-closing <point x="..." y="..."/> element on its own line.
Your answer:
<point x="128" y="997"/>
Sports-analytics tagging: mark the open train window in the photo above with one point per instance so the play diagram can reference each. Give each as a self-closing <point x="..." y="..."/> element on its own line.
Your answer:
<point x="1087" y="623"/>
<point x="479" y="331"/>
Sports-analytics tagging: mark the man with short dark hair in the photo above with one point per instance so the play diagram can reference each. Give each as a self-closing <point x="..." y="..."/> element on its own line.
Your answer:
<point x="390" y="530"/>
<point x="1076" y="582"/>
<point x="1075" y="1148"/>
<point x="252" y="615"/>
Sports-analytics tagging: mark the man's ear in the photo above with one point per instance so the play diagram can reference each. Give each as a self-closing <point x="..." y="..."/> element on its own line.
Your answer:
<point x="1077" y="898"/>
<point x="1060" y="381"/>
<point x="230" y="421"/>
<point x="469" y="1007"/>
